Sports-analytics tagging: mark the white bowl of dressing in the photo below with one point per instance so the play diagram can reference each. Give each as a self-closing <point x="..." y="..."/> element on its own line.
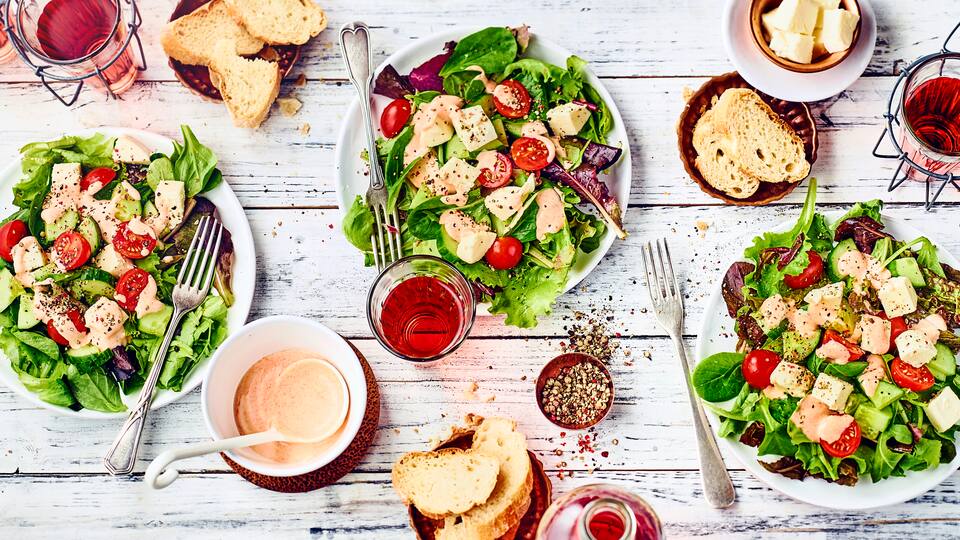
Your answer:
<point x="297" y="336"/>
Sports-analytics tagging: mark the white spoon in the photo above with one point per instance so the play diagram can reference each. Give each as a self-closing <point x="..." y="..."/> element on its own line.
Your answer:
<point x="160" y="474"/>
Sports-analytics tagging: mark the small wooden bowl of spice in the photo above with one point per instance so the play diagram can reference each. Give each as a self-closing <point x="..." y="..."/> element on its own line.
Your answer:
<point x="575" y="391"/>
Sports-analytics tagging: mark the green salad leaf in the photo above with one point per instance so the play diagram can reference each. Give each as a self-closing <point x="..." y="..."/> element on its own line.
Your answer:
<point x="491" y="49"/>
<point x="194" y="164"/>
<point x="718" y="377"/>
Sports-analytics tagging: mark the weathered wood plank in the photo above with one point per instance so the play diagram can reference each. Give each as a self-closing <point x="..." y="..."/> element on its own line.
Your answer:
<point x="363" y="506"/>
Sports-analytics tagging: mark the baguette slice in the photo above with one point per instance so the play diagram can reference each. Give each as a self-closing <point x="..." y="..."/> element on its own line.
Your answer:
<point x="279" y="22"/>
<point x="187" y="39"/>
<point x="445" y="482"/>
<point x="766" y="146"/>
<point x="248" y="87"/>
<point x="715" y="163"/>
<point x="498" y="438"/>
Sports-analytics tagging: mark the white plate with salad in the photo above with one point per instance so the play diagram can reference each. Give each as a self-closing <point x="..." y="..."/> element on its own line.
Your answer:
<point x="505" y="156"/>
<point x="94" y="231"/>
<point x="832" y="373"/>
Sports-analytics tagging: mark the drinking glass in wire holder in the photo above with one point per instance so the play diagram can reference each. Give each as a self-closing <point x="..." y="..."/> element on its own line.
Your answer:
<point x="913" y="153"/>
<point x="21" y="14"/>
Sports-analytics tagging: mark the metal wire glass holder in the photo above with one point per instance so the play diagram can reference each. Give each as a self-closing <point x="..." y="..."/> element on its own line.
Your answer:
<point x="892" y="117"/>
<point x="46" y="71"/>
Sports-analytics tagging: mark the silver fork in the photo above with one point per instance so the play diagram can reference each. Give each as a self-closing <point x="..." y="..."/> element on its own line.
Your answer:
<point x="358" y="57"/>
<point x="193" y="285"/>
<point x="667" y="302"/>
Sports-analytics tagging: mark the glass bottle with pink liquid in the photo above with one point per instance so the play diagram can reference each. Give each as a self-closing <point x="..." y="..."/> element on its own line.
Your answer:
<point x="6" y="48"/>
<point x="599" y="512"/>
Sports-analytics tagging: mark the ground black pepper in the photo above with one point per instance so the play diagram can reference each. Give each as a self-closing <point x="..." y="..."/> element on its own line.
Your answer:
<point x="578" y="395"/>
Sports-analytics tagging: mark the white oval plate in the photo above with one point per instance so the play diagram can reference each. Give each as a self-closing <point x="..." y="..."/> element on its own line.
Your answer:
<point x="244" y="273"/>
<point x="351" y="177"/>
<point x="717" y="335"/>
<point x="782" y="83"/>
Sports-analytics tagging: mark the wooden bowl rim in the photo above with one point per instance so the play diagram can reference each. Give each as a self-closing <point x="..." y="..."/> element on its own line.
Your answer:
<point x="824" y="63"/>
<point x="690" y="167"/>
<point x="551" y="368"/>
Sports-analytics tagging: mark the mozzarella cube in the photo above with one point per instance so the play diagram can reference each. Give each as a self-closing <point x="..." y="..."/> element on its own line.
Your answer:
<point x="506" y="201"/>
<point x="129" y="150"/>
<point x="833" y="392"/>
<point x="473" y="127"/>
<point x="112" y="262"/>
<point x="825" y="302"/>
<point x="28" y="255"/>
<point x="898" y="297"/>
<point x="914" y="348"/>
<point x="838" y="28"/>
<point x="793" y="379"/>
<point x="568" y="119"/>
<point x="170" y="202"/>
<point x="474" y="245"/>
<point x="427" y="172"/>
<point x="944" y="410"/>
<point x="105" y="320"/>
<point x="793" y="46"/>
<point x="457" y="177"/>
<point x="797" y="16"/>
<point x="874" y="334"/>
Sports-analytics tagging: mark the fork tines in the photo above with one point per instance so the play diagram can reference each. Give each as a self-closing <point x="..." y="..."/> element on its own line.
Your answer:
<point x="201" y="259"/>
<point x="389" y="249"/>
<point x="661" y="281"/>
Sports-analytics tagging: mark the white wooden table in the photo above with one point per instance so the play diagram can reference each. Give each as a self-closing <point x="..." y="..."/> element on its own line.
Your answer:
<point x="52" y="482"/>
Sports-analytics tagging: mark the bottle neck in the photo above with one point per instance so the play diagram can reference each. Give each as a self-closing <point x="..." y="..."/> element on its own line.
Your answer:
<point x="606" y="519"/>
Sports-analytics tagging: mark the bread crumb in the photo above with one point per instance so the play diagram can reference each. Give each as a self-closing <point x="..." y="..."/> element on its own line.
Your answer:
<point x="470" y="393"/>
<point x="702" y="227"/>
<point x="491" y="399"/>
<point x="270" y="54"/>
<point x="289" y="106"/>
<point x="301" y="80"/>
<point x="305" y="129"/>
<point x="687" y="93"/>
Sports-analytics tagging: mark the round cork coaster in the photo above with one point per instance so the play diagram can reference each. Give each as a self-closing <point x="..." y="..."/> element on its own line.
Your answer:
<point x="197" y="78"/>
<point x="339" y="467"/>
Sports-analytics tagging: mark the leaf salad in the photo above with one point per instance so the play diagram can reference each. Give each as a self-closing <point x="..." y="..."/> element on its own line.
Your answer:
<point x="846" y="364"/>
<point x="488" y="155"/>
<point x="88" y="262"/>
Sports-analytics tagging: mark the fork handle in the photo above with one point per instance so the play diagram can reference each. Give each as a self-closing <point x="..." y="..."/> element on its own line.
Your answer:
<point x="358" y="58"/>
<point x="122" y="456"/>
<point x="717" y="486"/>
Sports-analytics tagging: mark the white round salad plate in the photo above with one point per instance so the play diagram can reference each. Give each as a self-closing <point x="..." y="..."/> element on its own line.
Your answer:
<point x="352" y="178"/>
<point x="244" y="271"/>
<point x="781" y="83"/>
<point x="717" y="335"/>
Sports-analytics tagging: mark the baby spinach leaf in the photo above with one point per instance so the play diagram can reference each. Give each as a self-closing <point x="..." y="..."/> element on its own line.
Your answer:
<point x="845" y="371"/>
<point x="491" y="49"/>
<point x="358" y="225"/>
<point x="719" y="377"/>
<point x="95" y="390"/>
<point x="193" y="163"/>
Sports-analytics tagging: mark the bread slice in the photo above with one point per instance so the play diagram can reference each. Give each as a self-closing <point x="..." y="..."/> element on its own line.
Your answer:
<point x="187" y="39"/>
<point x="445" y="482"/>
<point x="279" y="22"/>
<point x="715" y="162"/>
<point x="510" y="499"/>
<point x="248" y="87"/>
<point x="765" y="146"/>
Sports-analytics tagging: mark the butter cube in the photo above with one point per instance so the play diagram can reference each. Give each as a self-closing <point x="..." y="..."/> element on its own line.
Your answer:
<point x="915" y="349"/>
<point x="838" y="28"/>
<point x="794" y="379"/>
<point x="833" y="392"/>
<point x="794" y="46"/>
<point x="473" y="127"/>
<point x="568" y="119"/>
<point x="944" y="410"/>
<point x="798" y="16"/>
<point x="898" y="297"/>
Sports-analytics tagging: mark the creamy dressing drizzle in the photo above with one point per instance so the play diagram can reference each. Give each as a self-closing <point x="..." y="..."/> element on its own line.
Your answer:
<point x="815" y="420"/>
<point x="863" y="269"/>
<point x="429" y="115"/>
<point x="550" y="216"/>
<point x="19" y="253"/>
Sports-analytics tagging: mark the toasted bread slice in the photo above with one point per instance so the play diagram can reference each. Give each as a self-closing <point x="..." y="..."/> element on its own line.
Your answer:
<point x="188" y="38"/>
<point x="715" y="160"/>
<point x="279" y="22"/>
<point x="248" y="87"/>
<point x="510" y="499"/>
<point x="445" y="482"/>
<point x="766" y="146"/>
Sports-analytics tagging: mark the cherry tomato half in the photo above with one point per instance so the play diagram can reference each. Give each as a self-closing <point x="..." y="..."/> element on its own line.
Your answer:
<point x="100" y="175"/>
<point x="505" y="253"/>
<point x="847" y="444"/>
<point x="757" y="367"/>
<point x="394" y="117"/>
<point x="55" y="335"/>
<point x="129" y="287"/>
<point x="10" y="234"/>
<point x="72" y="250"/>
<point x="832" y="335"/>
<point x="132" y="245"/>
<point x="897" y="327"/>
<point x="810" y="275"/>
<point x="76" y="318"/>
<point x="530" y="154"/>
<point x="499" y="176"/>
<point x="516" y="99"/>
<point x="909" y="377"/>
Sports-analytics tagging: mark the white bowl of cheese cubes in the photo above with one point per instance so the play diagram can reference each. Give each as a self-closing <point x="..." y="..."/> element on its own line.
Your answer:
<point x="806" y="36"/>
